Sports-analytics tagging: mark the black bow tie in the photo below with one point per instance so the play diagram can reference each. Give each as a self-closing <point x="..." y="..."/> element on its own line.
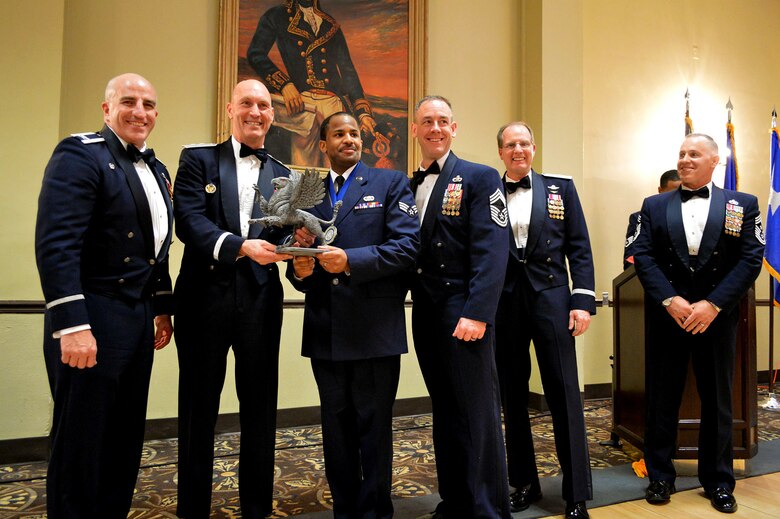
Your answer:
<point x="686" y="194"/>
<point x="136" y="155"/>
<point x="419" y="175"/>
<point x="259" y="153"/>
<point x="524" y="182"/>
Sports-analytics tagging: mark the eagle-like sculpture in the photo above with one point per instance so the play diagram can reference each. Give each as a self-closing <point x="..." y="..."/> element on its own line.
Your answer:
<point x="291" y="196"/>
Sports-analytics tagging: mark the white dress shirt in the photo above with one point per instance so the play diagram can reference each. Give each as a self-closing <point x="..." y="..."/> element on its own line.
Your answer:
<point x="424" y="190"/>
<point x="247" y="176"/>
<point x="346" y="175"/>
<point x="519" y="205"/>
<point x="694" y="215"/>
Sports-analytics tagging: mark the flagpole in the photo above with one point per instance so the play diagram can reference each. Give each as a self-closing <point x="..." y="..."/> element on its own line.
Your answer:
<point x="771" y="401"/>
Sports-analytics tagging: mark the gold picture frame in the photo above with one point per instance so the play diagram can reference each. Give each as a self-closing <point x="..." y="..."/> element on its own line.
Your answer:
<point x="227" y="74"/>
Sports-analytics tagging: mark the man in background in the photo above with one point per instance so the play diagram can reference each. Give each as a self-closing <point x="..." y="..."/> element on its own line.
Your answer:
<point x="669" y="182"/>
<point x="101" y="244"/>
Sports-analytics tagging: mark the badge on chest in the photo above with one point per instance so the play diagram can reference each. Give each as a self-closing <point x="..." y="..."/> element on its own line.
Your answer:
<point x="734" y="216"/>
<point x="453" y="197"/>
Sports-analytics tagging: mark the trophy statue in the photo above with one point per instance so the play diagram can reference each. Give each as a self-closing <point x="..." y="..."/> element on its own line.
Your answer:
<point x="286" y="206"/>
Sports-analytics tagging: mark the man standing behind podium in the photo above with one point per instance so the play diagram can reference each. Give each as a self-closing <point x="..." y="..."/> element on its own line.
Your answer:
<point x="101" y="243"/>
<point x="699" y="250"/>
<point x="228" y="293"/>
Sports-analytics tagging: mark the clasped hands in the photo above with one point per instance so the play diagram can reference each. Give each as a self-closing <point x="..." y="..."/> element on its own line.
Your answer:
<point x="692" y="317"/>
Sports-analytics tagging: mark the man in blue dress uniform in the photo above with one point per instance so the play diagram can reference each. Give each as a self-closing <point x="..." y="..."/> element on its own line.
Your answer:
<point x="354" y="327"/>
<point x="101" y="243"/>
<point x="548" y="240"/>
<point x="456" y="286"/>
<point x="228" y="294"/>
<point x="698" y="252"/>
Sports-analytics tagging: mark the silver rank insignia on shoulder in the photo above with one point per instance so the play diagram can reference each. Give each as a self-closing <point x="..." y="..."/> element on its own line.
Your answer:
<point x="411" y="210"/>
<point x="200" y="145"/>
<point x="555" y="206"/>
<point x="453" y="196"/>
<point x="734" y="217"/>
<point x="211" y="188"/>
<point x="498" y="212"/>
<point x="88" y="137"/>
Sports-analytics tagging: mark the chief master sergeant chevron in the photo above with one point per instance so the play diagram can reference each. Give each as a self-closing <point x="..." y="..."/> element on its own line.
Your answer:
<point x="101" y="244"/>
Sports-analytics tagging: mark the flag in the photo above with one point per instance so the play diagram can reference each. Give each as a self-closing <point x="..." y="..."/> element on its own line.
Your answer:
<point x="688" y="121"/>
<point x="731" y="179"/>
<point x="772" y="252"/>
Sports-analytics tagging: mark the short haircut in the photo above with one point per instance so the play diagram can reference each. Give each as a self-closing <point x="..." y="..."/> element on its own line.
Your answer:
<point x="500" y="136"/>
<point x="431" y="98"/>
<point x="326" y="123"/>
<point x="668" y="176"/>
<point x="710" y="141"/>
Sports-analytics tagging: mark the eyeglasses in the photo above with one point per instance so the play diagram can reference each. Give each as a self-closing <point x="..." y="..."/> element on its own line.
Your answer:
<point x="512" y="145"/>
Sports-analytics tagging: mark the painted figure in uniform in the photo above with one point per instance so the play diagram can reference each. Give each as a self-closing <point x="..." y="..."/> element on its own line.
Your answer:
<point x="320" y="73"/>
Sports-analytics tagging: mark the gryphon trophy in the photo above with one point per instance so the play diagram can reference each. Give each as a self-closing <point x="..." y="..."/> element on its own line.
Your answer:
<point x="286" y="206"/>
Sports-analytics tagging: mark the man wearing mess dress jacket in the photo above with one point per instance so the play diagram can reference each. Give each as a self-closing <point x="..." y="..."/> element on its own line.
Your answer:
<point x="698" y="252"/>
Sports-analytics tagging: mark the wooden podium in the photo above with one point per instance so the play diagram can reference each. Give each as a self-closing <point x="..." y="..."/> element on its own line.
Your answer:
<point x="628" y="378"/>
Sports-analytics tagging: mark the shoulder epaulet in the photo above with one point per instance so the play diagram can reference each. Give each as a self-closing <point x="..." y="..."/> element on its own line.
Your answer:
<point x="200" y="145"/>
<point x="279" y="162"/>
<point x="88" y="137"/>
<point x="550" y="175"/>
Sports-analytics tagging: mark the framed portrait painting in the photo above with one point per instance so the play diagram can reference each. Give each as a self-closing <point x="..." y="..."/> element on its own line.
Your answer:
<point x="318" y="57"/>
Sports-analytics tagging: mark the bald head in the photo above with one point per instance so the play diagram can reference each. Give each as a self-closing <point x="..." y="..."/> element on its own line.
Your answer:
<point x="697" y="160"/>
<point x="126" y="80"/>
<point x="251" y="113"/>
<point x="130" y="108"/>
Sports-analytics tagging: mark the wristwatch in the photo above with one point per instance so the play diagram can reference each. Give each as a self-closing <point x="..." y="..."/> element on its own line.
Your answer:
<point x="667" y="302"/>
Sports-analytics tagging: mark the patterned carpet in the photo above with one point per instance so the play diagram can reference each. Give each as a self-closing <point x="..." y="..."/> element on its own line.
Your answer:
<point x="300" y="484"/>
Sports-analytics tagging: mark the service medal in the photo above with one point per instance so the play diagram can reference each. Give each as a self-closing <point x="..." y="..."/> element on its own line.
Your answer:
<point x="555" y="206"/>
<point x="453" y="196"/>
<point x="734" y="216"/>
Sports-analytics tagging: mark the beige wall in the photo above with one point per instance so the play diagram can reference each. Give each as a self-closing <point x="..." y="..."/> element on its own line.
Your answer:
<point x="601" y="81"/>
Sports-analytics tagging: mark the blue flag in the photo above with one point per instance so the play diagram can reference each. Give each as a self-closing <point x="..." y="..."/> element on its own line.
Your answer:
<point x="731" y="179"/>
<point x="772" y="252"/>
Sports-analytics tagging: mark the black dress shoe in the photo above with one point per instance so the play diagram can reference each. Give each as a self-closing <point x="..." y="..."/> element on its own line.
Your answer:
<point x="522" y="498"/>
<point x="722" y="500"/>
<point x="659" y="492"/>
<point x="576" y="510"/>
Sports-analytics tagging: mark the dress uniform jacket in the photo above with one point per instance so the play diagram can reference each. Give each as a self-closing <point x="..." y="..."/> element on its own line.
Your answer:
<point x="535" y="305"/>
<point x="728" y="261"/>
<point x="94" y="245"/>
<point x="224" y="302"/>
<point x="632" y="233"/>
<point x="459" y="273"/>
<point x="361" y="315"/>
<point x="313" y="61"/>
<point x="354" y="331"/>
